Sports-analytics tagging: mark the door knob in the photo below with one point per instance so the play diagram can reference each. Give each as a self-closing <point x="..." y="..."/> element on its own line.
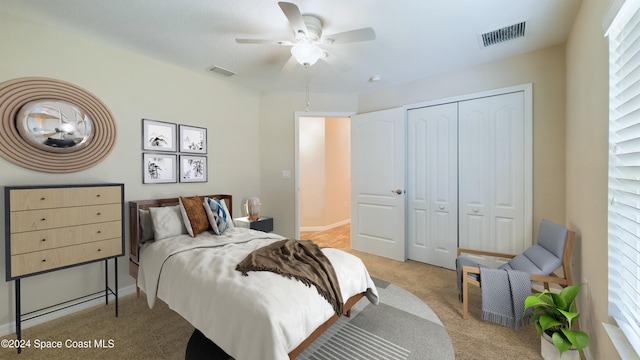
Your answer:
<point x="397" y="191"/>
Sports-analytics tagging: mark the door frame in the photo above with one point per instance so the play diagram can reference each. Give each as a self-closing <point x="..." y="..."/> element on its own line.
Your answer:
<point x="296" y="165"/>
<point x="527" y="90"/>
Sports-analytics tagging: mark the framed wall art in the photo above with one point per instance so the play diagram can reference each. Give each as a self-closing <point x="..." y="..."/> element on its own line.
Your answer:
<point x="158" y="135"/>
<point x="193" y="139"/>
<point x="159" y="168"/>
<point x="193" y="168"/>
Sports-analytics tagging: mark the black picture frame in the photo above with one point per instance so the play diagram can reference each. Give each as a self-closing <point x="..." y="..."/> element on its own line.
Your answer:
<point x="193" y="139"/>
<point x="193" y="169"/>
<point x="159" y="136"/>
<point x="159" y="168"/>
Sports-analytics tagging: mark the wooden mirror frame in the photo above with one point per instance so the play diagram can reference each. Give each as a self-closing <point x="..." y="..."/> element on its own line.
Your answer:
<point x="14" y="94"/>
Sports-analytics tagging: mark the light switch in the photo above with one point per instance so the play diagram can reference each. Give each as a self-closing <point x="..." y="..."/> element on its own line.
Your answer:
<point x="286" y="174"/>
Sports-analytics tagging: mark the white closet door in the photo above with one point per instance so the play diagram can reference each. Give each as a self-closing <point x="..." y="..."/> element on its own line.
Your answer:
<point x="491" y="173"/>
<point x="432" y="186"/>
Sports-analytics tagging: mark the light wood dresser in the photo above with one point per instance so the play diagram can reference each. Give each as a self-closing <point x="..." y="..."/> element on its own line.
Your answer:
<point x="48" y="228"/>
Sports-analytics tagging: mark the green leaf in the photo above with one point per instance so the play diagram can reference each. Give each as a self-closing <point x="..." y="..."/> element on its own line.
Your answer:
<point x="570" y="317"/>
<point x="539" y="328"/>
<point x="569" y="293"/>
<point x="532" y="301"/>
<point x="579" y="339"/>
<point x="546" y="298"/>
<point x="547" y="322"/>
<point x="560" y="342"/>
<point x="559" y="301"/>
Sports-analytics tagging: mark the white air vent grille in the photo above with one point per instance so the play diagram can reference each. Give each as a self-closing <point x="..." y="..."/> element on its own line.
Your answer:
<point x="221" y="71"/>
<point x="505" y="34"/>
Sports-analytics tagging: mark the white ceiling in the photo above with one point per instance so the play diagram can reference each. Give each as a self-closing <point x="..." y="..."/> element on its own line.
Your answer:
<point x="414" y="38"/>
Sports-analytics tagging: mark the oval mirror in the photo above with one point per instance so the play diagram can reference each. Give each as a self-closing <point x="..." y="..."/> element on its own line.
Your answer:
<point x="54" y="125"/>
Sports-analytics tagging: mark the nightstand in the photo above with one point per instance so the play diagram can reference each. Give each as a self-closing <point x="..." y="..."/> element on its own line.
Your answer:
<point x="262" y="223"/>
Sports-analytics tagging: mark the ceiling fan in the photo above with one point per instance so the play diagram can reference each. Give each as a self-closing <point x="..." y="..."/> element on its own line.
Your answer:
<point x="308" y="39"/>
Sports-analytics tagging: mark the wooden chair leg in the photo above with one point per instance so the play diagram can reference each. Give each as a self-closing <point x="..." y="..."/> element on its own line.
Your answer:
<point x="465" y="295"/>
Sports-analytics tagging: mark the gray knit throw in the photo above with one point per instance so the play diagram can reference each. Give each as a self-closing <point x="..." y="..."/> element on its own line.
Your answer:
<point x="503" y="294"/>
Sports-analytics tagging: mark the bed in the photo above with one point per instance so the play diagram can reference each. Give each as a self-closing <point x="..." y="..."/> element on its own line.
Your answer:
<point x="260" y="316"/>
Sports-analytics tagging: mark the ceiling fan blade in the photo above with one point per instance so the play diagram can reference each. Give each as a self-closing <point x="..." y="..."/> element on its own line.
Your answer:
<point x="294" y="16"/>
<point x="332" y="60"/>
<point x="289" y="65"/>
<point x="364" y="34"/>
<point x="265" y="41"/>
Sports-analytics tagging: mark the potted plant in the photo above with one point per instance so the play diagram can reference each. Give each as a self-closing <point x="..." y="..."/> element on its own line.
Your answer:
<point x="555" y="315"/>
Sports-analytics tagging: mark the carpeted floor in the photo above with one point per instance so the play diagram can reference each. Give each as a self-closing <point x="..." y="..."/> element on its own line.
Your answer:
<point x="159" y="333"/>
<point x="473" y="338"/>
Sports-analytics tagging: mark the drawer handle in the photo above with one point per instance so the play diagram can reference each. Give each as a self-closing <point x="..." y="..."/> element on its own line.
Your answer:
<point x="44" y="260"/>
<point x="43" y="240"/>
<point x="99" y="232"/>
<point x="98" y="195"/>
<point x="43" y="198"/>
<point x="99" y="250"/>
<point x="98" y="214"/>
<point x="43" y="219"/>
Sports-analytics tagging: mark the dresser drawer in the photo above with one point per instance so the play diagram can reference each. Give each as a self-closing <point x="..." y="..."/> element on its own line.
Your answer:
<point x="31" y="241"/>
<point x="38" y="261"/>
<point x="22" y="221"/>
<point x="47" y="198"/>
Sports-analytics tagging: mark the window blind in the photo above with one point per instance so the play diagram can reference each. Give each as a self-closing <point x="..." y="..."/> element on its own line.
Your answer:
<point x="624" y="171"/>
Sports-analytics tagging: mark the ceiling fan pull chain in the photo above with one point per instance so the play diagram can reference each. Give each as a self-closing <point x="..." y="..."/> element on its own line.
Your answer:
<point x="308" y="102"/>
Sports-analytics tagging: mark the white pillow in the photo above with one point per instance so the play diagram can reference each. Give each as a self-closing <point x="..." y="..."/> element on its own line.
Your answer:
<point x="218" y="215"/>
<point x="167" y="221"/>
<point x="229" y="217"/>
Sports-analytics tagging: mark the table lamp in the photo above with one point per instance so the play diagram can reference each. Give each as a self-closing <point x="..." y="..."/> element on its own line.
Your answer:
<point x="252" y="208"/>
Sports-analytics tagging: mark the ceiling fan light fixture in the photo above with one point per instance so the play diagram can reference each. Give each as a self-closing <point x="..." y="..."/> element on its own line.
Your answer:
<point x="306" y="53"/>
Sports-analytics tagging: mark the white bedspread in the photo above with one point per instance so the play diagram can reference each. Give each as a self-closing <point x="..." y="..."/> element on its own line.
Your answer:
<point x="260" y="316"/>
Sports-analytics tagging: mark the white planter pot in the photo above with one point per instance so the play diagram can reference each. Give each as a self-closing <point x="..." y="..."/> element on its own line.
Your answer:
<point x="550" y="352"/>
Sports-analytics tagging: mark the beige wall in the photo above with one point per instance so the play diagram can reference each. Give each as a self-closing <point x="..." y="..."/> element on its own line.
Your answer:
<point x="325" y="173"/>
<point x="312" y="172"/>
<point x="338" y="150"/>
<point x="587" y="151"/>
<point x="133" y="87"/>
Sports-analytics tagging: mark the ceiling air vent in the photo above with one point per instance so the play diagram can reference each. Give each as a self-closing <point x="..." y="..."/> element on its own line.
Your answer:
<point x="505" y="34"/>
<point x="221" y="71"/>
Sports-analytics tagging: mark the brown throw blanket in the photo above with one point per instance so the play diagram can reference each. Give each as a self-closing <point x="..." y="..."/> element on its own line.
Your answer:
<point x="302" y="260"/>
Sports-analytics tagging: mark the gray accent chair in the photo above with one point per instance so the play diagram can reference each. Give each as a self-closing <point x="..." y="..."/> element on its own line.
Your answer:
<point x="551" y="252"/>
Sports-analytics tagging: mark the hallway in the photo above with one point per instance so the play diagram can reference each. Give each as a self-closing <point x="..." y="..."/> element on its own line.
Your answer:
<point x="338" y="237"/>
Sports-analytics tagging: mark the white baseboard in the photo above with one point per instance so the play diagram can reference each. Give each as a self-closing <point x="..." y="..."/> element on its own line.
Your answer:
<point x="10" y="328"/>
<point x="325" y="227"/>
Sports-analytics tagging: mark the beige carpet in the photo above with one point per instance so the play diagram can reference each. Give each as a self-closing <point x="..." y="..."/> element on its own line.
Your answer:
<point x="159" y="333"/>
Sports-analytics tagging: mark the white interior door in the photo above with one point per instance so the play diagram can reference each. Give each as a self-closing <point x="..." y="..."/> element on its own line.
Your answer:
<point x="432" y="184"/>
<point x="377" y="183"/>
<point x="491" y="173"/>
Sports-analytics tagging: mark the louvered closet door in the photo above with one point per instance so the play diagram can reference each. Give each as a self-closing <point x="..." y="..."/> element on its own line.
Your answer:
<point x="432" y="186"/>
<point x="491" y="174"/>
